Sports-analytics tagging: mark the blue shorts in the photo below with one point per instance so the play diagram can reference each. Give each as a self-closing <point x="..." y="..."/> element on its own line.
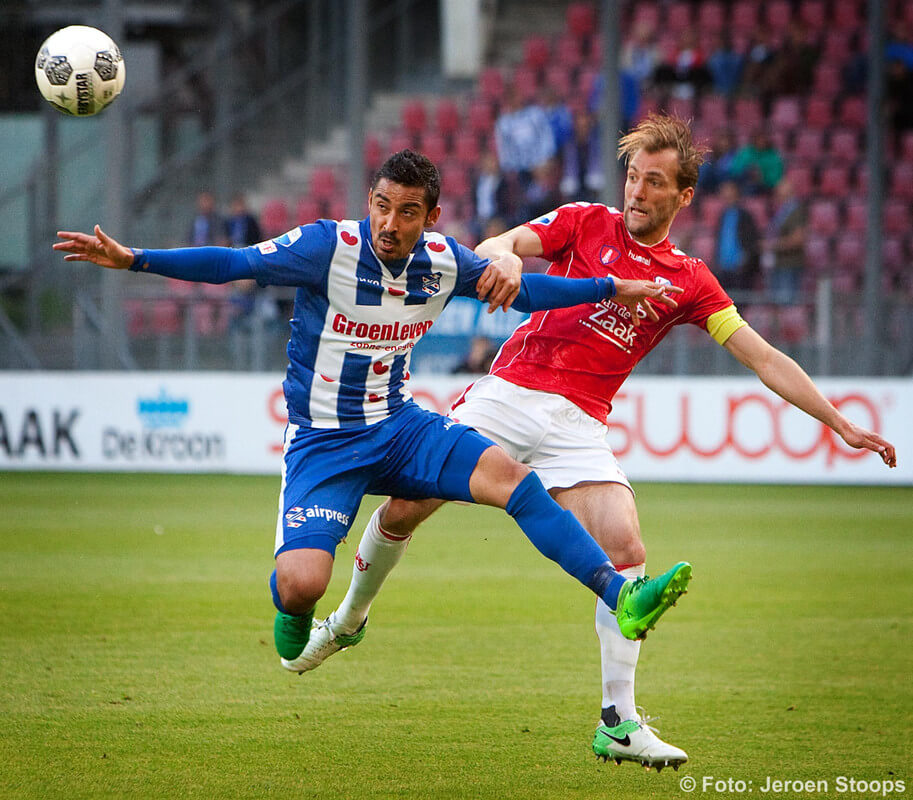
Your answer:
<point x="412" y="454"/>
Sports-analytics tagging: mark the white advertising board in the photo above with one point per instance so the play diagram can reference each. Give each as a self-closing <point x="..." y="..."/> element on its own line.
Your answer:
<point x="670" y="429"/>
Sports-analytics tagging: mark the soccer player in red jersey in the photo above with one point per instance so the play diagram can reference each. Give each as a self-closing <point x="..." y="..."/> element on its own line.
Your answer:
<point x="549" y="392"/>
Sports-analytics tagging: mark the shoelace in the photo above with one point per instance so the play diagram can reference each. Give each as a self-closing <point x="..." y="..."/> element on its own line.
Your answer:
<point x="645" y="720"/>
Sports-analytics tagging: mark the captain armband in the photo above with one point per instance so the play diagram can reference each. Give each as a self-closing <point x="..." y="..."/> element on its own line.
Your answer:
<point x="723" y="324"/>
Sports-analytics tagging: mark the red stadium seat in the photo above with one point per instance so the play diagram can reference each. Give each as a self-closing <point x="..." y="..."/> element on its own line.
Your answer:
<point x="747" y="113"/>
<point x="447" y="117"/>
<point x="836" y="46"/>
<point x="853" y="112"/>
<point x="414" y="117"/>
<point x="844" y="145"/>
<point x="819" y="113"/>
<point x="569" y="52"/>
<point x="711" y="16"/>
<point x="824" y="217"/>
<point x="808" y="145"/>
<point x="536" y="52"/>
<point x="714" y="111"/>
<point x="778" y="15"/>
<point x="455" y="182"/>
<point x="681" y="107"/>
<point x="819" y="253"/>
<point x="711" y="208"/>
<point x="892" y="253"/>
<point x="800" y="176"/>
<point x="761" y="319"/>
<point x="845" y="15"/>
<point x="307" y="210"/>
<point x="274" y="219"/>
<point x="896" y="216"/>
<point x="786" y="113"/>
<point x="323" y="183"/>
<point x="834" y="181"/>
<point x="339" y="209"/>
<point x="861" y="184"/>
<point x="374" y="152"/>
<point x="481" y="117"/>
<point x="166" y="318"/>
<point x="901" y="185"/>
<point x="646" y="15"/>
<point x="813" y="14"/>
<point x="703" y="245"/>
<point x="558" y="78"/>
<point x="525" y="83"/>
<point x="434" y="147"/>
<point x="466" y="148"/>
<point x="677" y="17"/>
<point x="794" y="323"/>
<point x="850" y="252"/>
<point x="846" y="280"/>
<point x="856" y="219"/>
<point x="827" y="81"/>
<point x="491" y="84"/>
<point x="135" y="313"/>
<point x="744" y="16"/>
<point x="581" y="19"/>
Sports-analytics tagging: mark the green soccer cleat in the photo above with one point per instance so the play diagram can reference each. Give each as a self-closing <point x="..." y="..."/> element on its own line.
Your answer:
<point x="291" y="633"/>
<point x="635" y="740"/>
<point x="643" y="601"/>
<point x="324" y="642"/>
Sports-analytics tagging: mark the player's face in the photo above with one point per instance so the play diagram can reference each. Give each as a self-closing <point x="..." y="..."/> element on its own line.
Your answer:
<point x="652" y="196"/>
<point x="398" y="214"/>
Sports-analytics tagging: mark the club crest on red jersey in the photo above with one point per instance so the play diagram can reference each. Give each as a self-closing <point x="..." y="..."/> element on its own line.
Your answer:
<point x="608" y="254"/>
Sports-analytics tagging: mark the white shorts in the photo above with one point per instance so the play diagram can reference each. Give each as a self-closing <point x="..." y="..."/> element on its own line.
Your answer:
<point x="561" y="442"/>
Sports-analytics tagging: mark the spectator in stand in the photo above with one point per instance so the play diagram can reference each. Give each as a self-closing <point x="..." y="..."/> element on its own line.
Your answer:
<point x="241" y="227"/>
<point x="718" y="166"/>
<point x="725" y="65"/>
<point x="559" y="117"/>
<point x="482" y="352"/>
<point x="758" y="165"/>
<point x="758" y="62"/>
<point x="784" y="245"/>
<point x="543" y="191"/>
<point x="243" y="230"/>
<point x="207" y="227"/>
<point x="630" y="97"/>
<point x="583" y="177"/>
<point x="686" y="73"/>
<point x="490" y="195"/>
<point x="736" y="252"/>
<point x="639" y="56"/>
<point x="792" y="65"/>
<point x="523" y="137"/>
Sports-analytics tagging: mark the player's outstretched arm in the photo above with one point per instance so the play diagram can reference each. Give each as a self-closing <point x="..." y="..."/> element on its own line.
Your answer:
<point x="100" y="249"/>
<point x="500" y="283"/>
<point x="784" y="376"/>
<point x="634" y="293"/>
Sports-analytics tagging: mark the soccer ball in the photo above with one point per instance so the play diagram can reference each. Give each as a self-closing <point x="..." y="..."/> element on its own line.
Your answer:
<point x="79" y="70"/>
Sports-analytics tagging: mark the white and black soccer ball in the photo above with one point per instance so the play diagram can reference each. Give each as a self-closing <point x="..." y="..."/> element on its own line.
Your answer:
<point x="79" y="70"/>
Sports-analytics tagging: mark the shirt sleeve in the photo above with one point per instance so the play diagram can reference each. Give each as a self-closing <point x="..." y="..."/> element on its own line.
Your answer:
<point x="469" y="269"/>
<point x="712" y="299"/>
<point x="300" y="257"/>
<point x="557" y="230"/>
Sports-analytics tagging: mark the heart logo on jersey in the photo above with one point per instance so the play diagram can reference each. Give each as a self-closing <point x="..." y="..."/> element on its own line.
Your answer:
<point x="326" y="378"/>
<point x="374" y="398"/>
<point x="396" y="292"/>
<point x="349" y="239"/>
<point x="380" y="368"/>
<point x="437" y="247"/>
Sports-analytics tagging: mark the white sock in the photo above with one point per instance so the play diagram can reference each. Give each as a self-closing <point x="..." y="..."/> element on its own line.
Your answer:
<point x="619" y="656"/>
<point x="378" y="552"/>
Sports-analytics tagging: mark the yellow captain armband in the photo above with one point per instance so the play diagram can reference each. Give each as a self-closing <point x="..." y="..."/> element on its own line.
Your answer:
<point x="724" y="323"/>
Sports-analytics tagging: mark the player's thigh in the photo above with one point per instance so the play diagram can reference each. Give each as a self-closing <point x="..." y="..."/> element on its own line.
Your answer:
<point x="495" y="477"/>
<point x="608" y="511"/>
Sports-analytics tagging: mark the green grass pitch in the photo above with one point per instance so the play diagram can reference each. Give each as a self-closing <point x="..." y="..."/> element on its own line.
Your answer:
<point x="136" y="657"/>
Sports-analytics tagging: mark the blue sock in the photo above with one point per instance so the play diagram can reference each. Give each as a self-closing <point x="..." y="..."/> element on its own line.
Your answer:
<point x="275" y="592"/>
<point x="558" y="535"/>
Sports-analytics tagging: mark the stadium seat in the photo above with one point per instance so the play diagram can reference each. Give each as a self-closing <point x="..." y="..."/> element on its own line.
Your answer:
<point x="906" y="146"/>
<point x="850" y="251"/>
<point x="374" y="152"/>
<point x="861" y="182"/>
<point x="166" y="318"/>
<point x="711" y="16"/>
<point x="819" y="253"/>
<point x="813" y="14"/>
<point x="677" y="17"/>
<point x="713" y="111"/>
<point x="800" y="176"/>
<point x="525" y="83"/>
<point x="786" y="113"/>
<point x="896" y="216"/>
<point x="808" y="145"/>
<point x="834" y="181"/>
<point x="836" y="47"/>
<point x="323" y="183"/>
<point x="844" y="145"/>
<point x="744" y="16"/>
<point x="778" y="15"/>
<point x="481" y="117"/>
<point x="824" y="217"/>
<point x="456" y="181"/>
<point x="400" y="140"/>
<point x="646" y="15"/>
<point x="307" y="210"/>
<point x="761" y="318"/>
<point x="434" y="147"/>
<point x="747" y="114"/>
<point x="759" y="208"/>
<point x="892" y="253"/>
<point x="711" y="208"/>
<point x="846" y="280"/>
<point x="536" y="52"/>
<point x="856" y="219"/>
<point x="339" y="209"/>
<point x="819" y="113"/>
<point x="491" y="85"/>
<point x="845" y="15"/>
<point x="681" y="107"/>
<point x="827" y="80"/>
<point x="447" y="117"/>
<point x="569" y="52"/>
<point x="135" y="313"/>
<point x="901" y="184"/>
<point x="274" y="219"/>
<point x="466" y="148"/>
<point x="703" y="246"/>
<point x="853" y="112"/>
<point x="414" y="117"/>
<point x="581" y="19"/>
<point x="793" y="322"/>
<point x="558" y="78"/>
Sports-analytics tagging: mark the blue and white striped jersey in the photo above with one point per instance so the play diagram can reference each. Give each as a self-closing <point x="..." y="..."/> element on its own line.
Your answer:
<point x="356" y="318"/>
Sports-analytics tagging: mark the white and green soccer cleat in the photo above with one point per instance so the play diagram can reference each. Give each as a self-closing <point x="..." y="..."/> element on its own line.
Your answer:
<point x="323" y="643"/>
<point x="634" y="740"/>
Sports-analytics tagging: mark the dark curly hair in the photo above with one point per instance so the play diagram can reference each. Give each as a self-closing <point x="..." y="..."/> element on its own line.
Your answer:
<point x="409" y="168"/>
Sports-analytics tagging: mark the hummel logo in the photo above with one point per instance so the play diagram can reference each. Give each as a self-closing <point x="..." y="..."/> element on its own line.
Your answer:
<point x="625" y="742"/>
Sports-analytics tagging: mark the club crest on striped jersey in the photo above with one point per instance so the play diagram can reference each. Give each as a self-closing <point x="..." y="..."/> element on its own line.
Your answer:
<point x="431" y="284"/>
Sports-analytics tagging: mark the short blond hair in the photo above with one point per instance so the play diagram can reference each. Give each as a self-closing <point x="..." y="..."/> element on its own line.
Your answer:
<point x="658" y="132"/>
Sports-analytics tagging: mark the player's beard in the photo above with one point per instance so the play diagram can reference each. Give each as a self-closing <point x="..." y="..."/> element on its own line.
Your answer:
<point x="653" y="227"/>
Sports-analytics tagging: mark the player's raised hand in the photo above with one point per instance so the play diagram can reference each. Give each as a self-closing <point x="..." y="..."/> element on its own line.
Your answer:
<point x="100" y="249"/>
<point x="634" y="293"/>
<point x="860" y="438"/>
<point x="499" y="284"/>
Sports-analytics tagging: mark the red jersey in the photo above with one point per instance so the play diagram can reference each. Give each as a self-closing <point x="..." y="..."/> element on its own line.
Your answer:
<point x="585" y="352"/>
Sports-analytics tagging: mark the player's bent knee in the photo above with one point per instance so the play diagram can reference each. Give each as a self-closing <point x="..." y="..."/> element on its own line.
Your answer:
<point x="302" y="577"/>
<point x="495" y="477"/>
